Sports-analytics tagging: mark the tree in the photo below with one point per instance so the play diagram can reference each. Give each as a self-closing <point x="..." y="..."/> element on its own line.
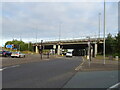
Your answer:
<point x="117" y="45"/>
<point x="20" y="45"/>
<point x="110" y="45"/>
<point x="30" y="47"/>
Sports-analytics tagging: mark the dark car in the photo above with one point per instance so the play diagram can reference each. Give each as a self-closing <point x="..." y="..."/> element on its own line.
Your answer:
<point x="6" y="53"/>
<point x="0" y="53"/>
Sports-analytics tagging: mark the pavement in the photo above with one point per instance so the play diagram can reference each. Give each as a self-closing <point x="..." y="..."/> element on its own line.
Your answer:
<point x="96" y="79"/>
<point x="98" y="65"/>
<point x="97" y="75"/>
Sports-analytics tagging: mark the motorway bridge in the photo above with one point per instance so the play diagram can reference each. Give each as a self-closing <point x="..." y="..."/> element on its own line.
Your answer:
<point x="79" y="46"/>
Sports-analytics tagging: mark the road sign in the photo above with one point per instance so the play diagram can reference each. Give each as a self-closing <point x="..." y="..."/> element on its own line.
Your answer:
<point x="9" y="46"/>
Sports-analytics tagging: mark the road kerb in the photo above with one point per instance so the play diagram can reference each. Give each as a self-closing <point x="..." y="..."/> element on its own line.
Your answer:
<point x="80" y="66"/>
<point x="114" y="86"/>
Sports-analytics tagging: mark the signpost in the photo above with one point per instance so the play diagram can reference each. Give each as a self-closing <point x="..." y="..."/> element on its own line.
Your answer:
<point x="41" y="49"/>
<point x="89" y="50"/>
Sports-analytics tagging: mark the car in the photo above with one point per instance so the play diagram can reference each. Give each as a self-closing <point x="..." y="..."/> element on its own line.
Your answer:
<point x="17" y="54"/>
<point x="69" y="54"/>
<point x="0" y="53"/>
<point x="5" y="53"/>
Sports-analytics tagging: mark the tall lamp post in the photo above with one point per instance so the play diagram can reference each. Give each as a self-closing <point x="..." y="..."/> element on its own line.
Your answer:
<point x="99" y="25"/>
<point x="59" y="31"/>
<point x="104" y="34"/>
<point x="41" y="48"/>
<point x="89" y="50"/>
<point x="58" y="51"/>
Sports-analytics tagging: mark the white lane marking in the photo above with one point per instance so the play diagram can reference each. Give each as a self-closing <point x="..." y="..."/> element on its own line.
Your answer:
<point x="9" y="67"/>
<point x="2" y="69"/>
<point x="114" y="86"/>
<point x="80" y="66"/>
<point x="15" y="66"/>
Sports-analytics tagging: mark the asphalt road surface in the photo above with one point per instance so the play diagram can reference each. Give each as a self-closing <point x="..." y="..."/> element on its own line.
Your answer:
<point x="45" y="74"/>
<point x="94" y="79"/>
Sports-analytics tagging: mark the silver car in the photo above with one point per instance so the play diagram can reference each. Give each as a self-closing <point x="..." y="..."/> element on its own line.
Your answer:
<point x="17" y="54"/>
<point x="69" y="54"/>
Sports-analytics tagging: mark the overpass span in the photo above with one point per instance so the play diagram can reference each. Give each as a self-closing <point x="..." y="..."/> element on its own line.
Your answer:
<point x="71" y="44"/>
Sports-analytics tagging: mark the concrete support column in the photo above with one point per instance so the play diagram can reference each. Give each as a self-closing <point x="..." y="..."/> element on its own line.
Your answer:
<point x="58" y="50"/>
<point x="95" y="50"/>
<point x="91" y="53"/>
<point x="36" y="49"/>
<point x="54" y="49"/>
<point x="88" y="53"/>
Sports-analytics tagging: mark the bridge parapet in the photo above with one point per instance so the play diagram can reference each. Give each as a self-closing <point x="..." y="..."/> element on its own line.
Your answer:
<point x="74" y="41"/>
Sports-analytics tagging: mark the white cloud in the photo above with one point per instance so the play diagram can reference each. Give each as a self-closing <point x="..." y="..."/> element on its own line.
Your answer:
<point x="77" y="19"/>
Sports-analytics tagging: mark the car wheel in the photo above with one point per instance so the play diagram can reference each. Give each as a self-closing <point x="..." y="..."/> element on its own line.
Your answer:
<point x="24" y="56"/>
<point x="19" y="56"/>
<point x="12" y="57"/>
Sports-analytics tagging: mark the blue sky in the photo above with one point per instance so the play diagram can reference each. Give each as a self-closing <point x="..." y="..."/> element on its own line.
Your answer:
<point x="77" y="19"/>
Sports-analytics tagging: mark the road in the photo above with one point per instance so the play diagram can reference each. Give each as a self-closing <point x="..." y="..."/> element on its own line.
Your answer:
<point x="44" y="74"/>
<point x="54" y="73"/>
<point x="94" y="79"/>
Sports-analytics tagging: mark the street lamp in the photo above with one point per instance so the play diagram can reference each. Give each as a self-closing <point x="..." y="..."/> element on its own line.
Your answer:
<point x="99" y="25"/>
<point x="104" y="34"/>
<point x="89" y="50"/>
<point x="59" y="31"/>
<point x="41" y="49"/>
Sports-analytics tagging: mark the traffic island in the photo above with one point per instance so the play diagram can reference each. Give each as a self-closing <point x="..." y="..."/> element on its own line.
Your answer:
<point x="95" y="75"/>
<point x="98" y="65"/>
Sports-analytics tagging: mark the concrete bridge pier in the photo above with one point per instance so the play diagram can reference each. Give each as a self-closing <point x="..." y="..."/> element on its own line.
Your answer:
<point x="95" y="49"/>
<point x="58" y="50"/>
<point x="36" y="49"/>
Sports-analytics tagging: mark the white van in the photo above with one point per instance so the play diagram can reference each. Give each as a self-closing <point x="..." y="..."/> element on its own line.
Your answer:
<point x="69" y="54"/>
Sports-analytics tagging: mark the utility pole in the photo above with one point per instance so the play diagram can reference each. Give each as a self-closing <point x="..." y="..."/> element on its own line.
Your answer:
<point x="99" y="26"/>
<point x="89" y="50"/>
<point x="36" y="37"/>
<point x="19" y="47"/>
<point x="104" y="33"/>
<point x="58" y="51"/>
<point x="59" y="31"/>
<point x="28" y="46"/>
<point x="20" y="38"/>
<point x="41" y="49"/>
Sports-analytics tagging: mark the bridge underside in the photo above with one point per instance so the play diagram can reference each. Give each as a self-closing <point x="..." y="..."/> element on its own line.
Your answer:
<point x="78" y="49"/>
<point x="71" y="46"/>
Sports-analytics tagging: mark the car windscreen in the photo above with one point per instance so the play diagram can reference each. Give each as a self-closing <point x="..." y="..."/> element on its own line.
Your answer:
<point x="69" y="52"/>
<point x="8" y="51"/>
<point x="0" y="52"/>
<point x="15" y="53"/>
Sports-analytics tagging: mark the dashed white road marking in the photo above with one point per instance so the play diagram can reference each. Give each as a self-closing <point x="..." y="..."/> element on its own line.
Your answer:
<point x="9" y="67"/>
<point x="15" y="66"/>
<point x="1" y="69"/>
<point x="114" y="86"/>
<point x="80" y="66"/>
